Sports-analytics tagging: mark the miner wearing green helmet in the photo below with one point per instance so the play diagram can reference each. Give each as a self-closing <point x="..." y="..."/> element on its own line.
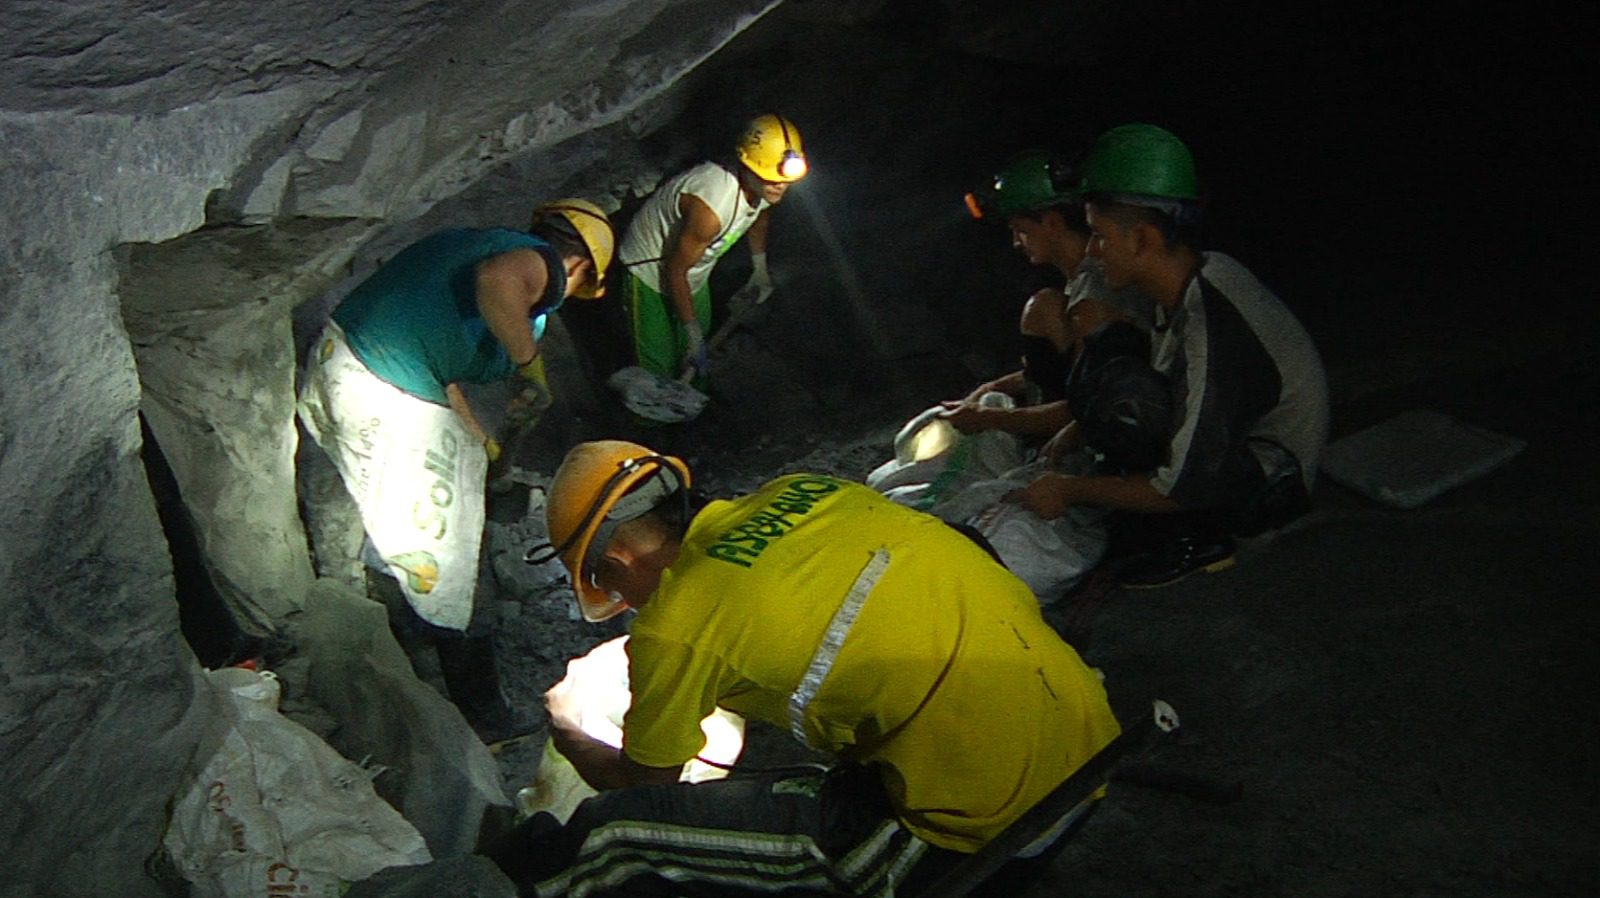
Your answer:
<point x="1035" y="196"/>
<point x="1147" y="161"/>
<point x="1247" y="380"/>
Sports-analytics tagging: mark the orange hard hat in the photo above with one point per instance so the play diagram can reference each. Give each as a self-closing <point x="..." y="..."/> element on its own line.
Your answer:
<point x="599" y="485"/>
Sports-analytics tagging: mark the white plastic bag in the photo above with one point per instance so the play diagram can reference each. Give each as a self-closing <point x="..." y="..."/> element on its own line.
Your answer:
<point x="657" y="398"/>
<point x="275" y="811"/>
<point x="601" y="681"/>
<point x="933" y="461"/>
<point x="1050" y="556"/>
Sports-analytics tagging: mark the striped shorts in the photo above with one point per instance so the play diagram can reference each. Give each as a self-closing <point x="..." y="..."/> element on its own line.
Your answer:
<point x="801" y="833"/>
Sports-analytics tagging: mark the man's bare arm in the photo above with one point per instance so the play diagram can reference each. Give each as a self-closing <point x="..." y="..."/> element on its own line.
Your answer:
<point x="1010" y="384"/>
<point x="1050" y="495"/>
<point x="1044" y="419"/>
<point x="602" y="766"/>
<point x="463" y="409"/>
<point x="509" y="285"/>
<point x="685" y="247"/>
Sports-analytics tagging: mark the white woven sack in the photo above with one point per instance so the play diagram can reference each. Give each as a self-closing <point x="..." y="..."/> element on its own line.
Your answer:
<point x="276" y="811"/>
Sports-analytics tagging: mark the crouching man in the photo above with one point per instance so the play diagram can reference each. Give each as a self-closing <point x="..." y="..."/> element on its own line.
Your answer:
<point x="869" y="631"/>
<point x="1249" y="396"/>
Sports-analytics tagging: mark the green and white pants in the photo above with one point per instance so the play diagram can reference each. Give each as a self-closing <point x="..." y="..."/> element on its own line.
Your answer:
<point x="659" y="339"/>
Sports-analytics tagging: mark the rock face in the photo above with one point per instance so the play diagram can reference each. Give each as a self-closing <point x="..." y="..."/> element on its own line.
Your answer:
<point x="95" y="677"/>
<point x="178" y="179"/>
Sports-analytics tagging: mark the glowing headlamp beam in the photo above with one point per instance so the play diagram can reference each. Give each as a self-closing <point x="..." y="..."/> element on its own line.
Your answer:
<point x="792" y="166"/>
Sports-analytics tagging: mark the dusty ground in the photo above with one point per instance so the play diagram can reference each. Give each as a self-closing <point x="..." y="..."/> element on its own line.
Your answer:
<point x="1402" y="695"/>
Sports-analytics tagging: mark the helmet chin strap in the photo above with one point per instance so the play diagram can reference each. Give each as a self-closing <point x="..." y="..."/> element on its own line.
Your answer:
<point x="645" y="496"/>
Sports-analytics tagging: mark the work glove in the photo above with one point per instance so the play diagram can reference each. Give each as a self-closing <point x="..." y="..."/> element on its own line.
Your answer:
<point x="756" y="290"/>
<point x="534" y="397"/>
<point x="491" y="448"/>
<point x="694" y="351"/>
<point x="532" y="371"/>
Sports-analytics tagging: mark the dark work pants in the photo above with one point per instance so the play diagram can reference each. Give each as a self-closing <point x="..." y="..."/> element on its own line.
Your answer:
<point x="800" y="834"/>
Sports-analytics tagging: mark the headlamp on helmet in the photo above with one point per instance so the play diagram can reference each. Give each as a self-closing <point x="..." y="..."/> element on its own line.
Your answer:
<point x="770" y="147"/>
<point x="981" y="203"/>
<point x="1032" y="180"/>
<point x="793" y="166"/>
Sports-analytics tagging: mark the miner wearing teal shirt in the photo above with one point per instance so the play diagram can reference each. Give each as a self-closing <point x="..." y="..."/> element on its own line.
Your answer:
<point x="383" y="396"/>
<point x="469" y="306"/>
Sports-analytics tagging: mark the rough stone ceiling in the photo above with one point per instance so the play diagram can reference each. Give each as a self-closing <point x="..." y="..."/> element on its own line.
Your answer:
<point x="148" y="56"/>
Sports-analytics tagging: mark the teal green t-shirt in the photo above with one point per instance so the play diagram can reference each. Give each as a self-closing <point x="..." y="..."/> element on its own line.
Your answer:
<point x="415" y="322"/>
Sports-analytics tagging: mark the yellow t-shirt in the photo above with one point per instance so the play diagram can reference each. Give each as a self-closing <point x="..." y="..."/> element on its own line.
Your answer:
<point x="949" y="682"/>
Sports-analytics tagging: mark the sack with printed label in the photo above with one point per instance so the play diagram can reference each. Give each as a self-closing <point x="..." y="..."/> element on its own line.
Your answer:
<point x="275" y="811"/>
<point x="412" y="468"/>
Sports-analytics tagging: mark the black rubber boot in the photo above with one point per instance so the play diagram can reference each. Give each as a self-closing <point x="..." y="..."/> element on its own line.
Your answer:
<point x="1177" y="546"/>
<point x="517" y="851"/>
<point x="1177" y="560"/>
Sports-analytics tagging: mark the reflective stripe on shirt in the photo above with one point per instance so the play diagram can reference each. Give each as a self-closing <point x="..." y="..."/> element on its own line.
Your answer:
<point x="828" y="651"/>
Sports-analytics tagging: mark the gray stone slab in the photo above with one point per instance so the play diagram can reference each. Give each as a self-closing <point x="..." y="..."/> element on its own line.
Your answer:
<point x="1415" y="456"/>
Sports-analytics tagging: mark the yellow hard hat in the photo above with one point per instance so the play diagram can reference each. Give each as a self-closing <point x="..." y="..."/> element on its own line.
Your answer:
<point x="599" y="485"/>
<point x="594" y="229"/>
<point x="771" y="148"/>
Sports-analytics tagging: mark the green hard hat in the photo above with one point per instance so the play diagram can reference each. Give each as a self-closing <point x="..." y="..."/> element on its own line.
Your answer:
<point x="1032" y="180"/>
<point x="1141" y="160"/>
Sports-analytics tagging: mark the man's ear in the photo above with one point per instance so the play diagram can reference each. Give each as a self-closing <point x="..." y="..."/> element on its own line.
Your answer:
<point x="1145" y="238"/>
<point x="578" y="271"/>
<point x="615" y="557"/>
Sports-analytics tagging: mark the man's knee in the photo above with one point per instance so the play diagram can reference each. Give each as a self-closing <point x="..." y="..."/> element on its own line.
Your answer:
<point x="1274" y="492"/>
<point x="1045" y="315"/>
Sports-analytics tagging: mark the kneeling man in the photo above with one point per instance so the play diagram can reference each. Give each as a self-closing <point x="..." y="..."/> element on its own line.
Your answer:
<point x="872" y="632"/>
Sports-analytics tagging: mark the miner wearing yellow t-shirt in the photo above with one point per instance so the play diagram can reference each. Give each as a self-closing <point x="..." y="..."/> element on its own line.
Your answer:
<point x="870" y="631"/>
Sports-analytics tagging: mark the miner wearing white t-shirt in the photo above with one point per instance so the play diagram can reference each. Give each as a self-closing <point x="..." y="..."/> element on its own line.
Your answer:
<point x="677" y="236"/>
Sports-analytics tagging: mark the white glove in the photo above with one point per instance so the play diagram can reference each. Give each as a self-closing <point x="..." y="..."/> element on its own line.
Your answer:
<point x="756" y="290"/>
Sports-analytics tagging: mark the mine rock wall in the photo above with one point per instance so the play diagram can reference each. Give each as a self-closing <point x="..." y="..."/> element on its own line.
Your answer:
<point x="178" y="177"/>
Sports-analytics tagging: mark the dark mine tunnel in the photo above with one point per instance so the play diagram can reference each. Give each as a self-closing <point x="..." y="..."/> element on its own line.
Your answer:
<point x="221" y="674"/>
